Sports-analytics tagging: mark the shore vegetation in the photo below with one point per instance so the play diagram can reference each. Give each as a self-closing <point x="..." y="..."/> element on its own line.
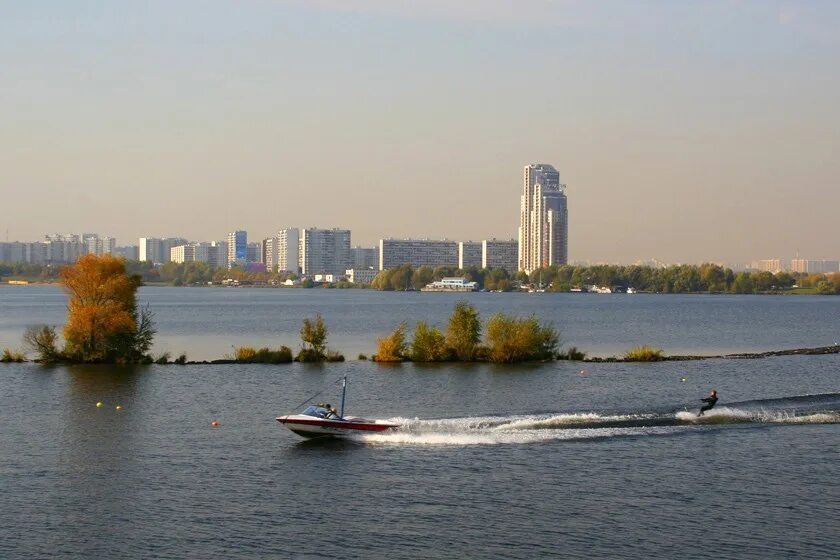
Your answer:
<point x="644" y="354"/>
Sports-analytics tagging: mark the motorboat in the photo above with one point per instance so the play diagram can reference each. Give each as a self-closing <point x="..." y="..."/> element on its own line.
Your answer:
<point x="322" y="420"/>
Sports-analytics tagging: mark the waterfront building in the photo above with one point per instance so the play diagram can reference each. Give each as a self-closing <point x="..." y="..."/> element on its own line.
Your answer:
<point x="182" y="253"/>
<point x="365" y="257"/>
<point x="543" y="219"/>
<point x="417" y="252"/>
<point x="360" y="275"/>
<point x="469" y="254"/>
<point x="324" y="251"/>
<point x="451" y="285"/>
<point x="237" y="248"/>
<point x="499" y="253"/>
<point x="814" y="266"/>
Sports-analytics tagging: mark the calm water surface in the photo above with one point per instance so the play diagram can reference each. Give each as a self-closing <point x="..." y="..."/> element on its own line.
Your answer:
<point x="536" y="461"/>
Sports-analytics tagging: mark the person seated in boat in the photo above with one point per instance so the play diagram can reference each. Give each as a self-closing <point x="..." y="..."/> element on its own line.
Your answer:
<point x="710" y="401"/>
<point x="332" y="413"/>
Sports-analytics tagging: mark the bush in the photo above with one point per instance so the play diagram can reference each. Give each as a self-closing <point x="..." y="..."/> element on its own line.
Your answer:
<point x="333" y="356"/>
<point x="181" y="360"/>
<point x="392" y="348"/>
<point x="12" y="356"/>
<point x="428" y="345"/>
<point x="244" y="353"/>
<point x="464" y="331"/>
<point x="250" y="355"/>
<point x="163" y="359"/>
<point x="644" y="354"/>
<point x="42" y="341"/>
<point x="512" y="339"/>
<point x="362" y="357"/>
<point x="572" y="354"/>
<point x="267" y="356"/>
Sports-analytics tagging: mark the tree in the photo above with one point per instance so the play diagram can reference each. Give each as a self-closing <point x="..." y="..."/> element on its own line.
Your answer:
<point x="428" y="344"/>
<point x="511" y="339"/>
<point x="103" y="321"/>
<point x="464" y="331"/>
<point x="392" y="348"/>
<point x="313" y="336"/>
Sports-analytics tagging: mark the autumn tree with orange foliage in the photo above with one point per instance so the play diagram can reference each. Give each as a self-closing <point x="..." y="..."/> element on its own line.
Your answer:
<point x="103" y="321"/>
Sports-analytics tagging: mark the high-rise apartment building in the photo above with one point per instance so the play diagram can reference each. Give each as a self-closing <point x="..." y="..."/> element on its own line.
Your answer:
<point x="324" y="251"/>
<point x="768" y="265"/>
<point x="417" y="252"/>
<point x="469" y="254"/>
<point x="158" y="250"/>
<point x="237" y="246"/>
<point x="497" y="253"/>
<point x="365" y="258"/>
<point x="814" y="266"/>
<point x="543" y="219"/>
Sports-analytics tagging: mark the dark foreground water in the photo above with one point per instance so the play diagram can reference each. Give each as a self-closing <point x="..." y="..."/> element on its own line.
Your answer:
<point x="553" y="460"/>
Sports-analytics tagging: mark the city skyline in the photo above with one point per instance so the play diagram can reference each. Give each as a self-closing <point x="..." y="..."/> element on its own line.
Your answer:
<point x="710" y="134"/>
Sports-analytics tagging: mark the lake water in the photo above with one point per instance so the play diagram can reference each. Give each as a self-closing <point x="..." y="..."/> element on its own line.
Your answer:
<point x="534" y="461"/>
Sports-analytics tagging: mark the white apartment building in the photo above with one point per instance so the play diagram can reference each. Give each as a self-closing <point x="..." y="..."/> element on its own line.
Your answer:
<point x="324" y="251"/>
<point x="158" y="250"/>
<point x="237" y="248"/>
<point x="543" y="219"/>
<point x="469" y="254"/>
<point x="417" y="252"/>
<point x="497" y="253"/>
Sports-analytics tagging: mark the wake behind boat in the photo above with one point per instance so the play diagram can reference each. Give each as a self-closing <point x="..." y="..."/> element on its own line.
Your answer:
<point x="322" y="420"/>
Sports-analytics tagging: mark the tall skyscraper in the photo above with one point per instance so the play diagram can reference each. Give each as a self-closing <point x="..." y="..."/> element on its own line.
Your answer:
<point x="237" y="245"/>
<point x="543" y="219"/>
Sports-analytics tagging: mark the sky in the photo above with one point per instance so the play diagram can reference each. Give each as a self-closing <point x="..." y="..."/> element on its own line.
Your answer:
<point x="684" y="131"/>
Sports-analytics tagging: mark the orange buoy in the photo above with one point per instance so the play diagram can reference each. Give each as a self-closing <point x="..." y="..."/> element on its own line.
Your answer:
<point x="214" y="424"/>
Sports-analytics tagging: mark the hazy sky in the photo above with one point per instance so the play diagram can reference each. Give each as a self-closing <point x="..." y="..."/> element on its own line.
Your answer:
<point x="685" y="131"/>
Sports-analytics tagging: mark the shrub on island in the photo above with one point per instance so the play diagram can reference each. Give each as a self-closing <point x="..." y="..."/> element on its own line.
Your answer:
<point x="572" y="354"/>
<point x="313" y="337"/>
<point x="509" y="339"/>
<point x="393" y="347"/>
<point x="250" y="355"/>
<point x="12" y="356"/>
<point x="644" y="354"/>
<point x="520" y="339"/>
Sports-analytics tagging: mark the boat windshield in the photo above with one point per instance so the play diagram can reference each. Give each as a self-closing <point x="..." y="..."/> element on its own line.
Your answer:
<point x="316" y="411"/>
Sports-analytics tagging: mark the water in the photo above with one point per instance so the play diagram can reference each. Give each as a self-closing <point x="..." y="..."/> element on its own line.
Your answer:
<point x="529" y="461"/>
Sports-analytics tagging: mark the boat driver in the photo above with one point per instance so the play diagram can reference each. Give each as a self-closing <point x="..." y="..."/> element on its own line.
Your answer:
<point x="331" y="411"/>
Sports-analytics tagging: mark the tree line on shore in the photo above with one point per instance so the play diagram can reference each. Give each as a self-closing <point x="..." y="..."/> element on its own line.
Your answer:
<point x="704" y="278"/>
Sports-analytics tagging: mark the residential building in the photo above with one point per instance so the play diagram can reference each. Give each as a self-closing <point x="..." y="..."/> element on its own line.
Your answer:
<point x="499" y="253"/>
<point x="543" y="219"/>
<point x="288" y="250"/>
<point x="768" y="265"/>
<point x="417" y="252"/>
<point x="360" y="275"/>
<point x="254" y="252"/>
<point x="814" y="266"/>
<point x="365" y="257"/>
<point x="158" y="250"/>
<point x="237" y="248"/>
<point x="129" y="252"/>
<point x="469" y="254"/>
<point x="324" y="251"/>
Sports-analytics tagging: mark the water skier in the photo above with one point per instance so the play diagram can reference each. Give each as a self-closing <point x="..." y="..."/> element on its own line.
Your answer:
<point x="710" y="401"/>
